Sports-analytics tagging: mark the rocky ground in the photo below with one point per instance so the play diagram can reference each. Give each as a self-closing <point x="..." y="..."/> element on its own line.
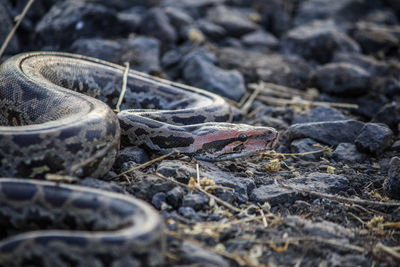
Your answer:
<point x="327" y="75"/>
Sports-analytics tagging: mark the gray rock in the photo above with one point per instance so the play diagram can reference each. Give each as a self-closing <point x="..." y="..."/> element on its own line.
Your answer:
<point x="211" y="29"/>
<point x="375" y="38"/>
<point x="392" y="182"/>
<point x="260" y="39"/>
<point x="97" y="47"/>
<point x="272" y="67"/>
<point x="187" y="212"/>
<point x="337" y="260"/>
<point x="330" y="132"/>
<point x="143" y="54"/>
<point x="200" y="72"/>
<point x="158" y="199"/>
<point x="5" y="28"/>
<point x="305" y="145"/>
<point x="348" y="153"/>
<point x="341" y="79"/>
<point x="196" y="8"/>
<point x="232" y="20"/>
<point x="102" y="185"/>
<point x="69" y="20"/>
<point x="374" y="138"/>
<point x="319" y="114"/>
<point x="319" y="182"/>
<point x="382" y="16"/>
<point x="193" y="254"/>
<point x="177" y="170"/>
<point x="178" y="18"/>
<point x="396" y="146"/>
<point x="175" y="196"/>
<point x="155" y="23"/>
<point x="317" y="41"/>
<point x="374" y="67"/>
<point x="275" y="16"/>
<point x="389" y="114"/>
<point x="195" y="201"/>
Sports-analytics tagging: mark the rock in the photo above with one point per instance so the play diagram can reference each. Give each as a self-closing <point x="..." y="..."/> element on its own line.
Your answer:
<point x="389" y="114"/>
<point x="396" y="146"/>
<point x="177" y="170"/>
<point x="339" y="10"/>
<point x="143" y="54"/>
<point x="155" y="23"/>
<point x="348" y="153"/>
<point x="374" y="138"/>
<point x="275" y="16"/>
<point x="272" y="67"/>
<point x="158" y="199"/>
<point x="130" y="153"/>
<point x="305" y="145"/>
<point x="382" y="16"/>
<point x="375" y="67"/>
<point x="175" y="196"/>
<point x="102" y="185"/>
<point x="341" y="79"/>
<point x="130" y="19"/>
<point x="375" y="38"/>
<point x="200" y="72"/>
<point x="338" y="260"/>
<point x="392" y="182"/>
<point x="196" y="8"/>
<point x="319" y="114"/>
<point x="260" y="39"/>
<point x="178" y="18"/>
<point x="317" y="41"/>
<point x="193" y="254"/>
<point x="195" y="201"/>
<point x="97" y="47"/>
<point x="329" y="132"/>
<point x="187" y="212"/>
<point x="210" y="29"/>
<point x="232" y="20"/>
<point x="391" y="87"/>
<point x="5" y="28"/>
<point x="319" y="182"/>
<point x="69" y="20"/>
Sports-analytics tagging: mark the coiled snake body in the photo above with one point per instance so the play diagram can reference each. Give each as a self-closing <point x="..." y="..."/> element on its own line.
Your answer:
<point x="48" y="126"/>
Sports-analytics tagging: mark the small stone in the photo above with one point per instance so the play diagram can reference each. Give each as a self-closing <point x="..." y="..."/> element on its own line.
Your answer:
<point x="193" y="254"/>
<point x="155" y="23"/>
<point x="158" y="199"/>
<point x="178" y="17"/>
<point x="392" y="182"/>
<point x="341" y="79"/>
<point x="187" y="212"/>
<point x="195" y="201"/>
<point x="175" y="196"/>
<point x="232" y="20"/>
<point x="317" y="41"/>
<point x="142" y="53"/>
<point x="102" y="185"/>
<point x="175" y="168"/>
<point x="348" y="153"/>
<point x="130" y="153"/>
<point x="374" y="138"/>
<point x="97" y="47"/>
<point x="389" y="114"/>
<point x="319" y="114"/>
<point x="329" y="132"/>
<point x="211" y="29"/>
<point x="396" y="146"/>
<point x="203" y="74"/>
<point x="260" y="39"/>
<point x="375" y="67"/>
<point x="306" y="145"/>
<point x="338" y="260"/>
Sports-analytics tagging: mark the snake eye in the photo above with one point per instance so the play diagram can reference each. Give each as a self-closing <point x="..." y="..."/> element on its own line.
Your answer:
<point x="242" y="137"/>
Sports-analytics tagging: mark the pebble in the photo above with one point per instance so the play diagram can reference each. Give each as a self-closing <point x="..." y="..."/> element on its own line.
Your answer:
<point x="102" y="185"/>
<point x="374" y="138"/>
<point x="212" y="30"/>
<point x="329" y="132"/>
<point x="319" y="114"/>
<point x="175" y="168"/>
<point x="187" y="212"/>
<point x="306" y="145"/>
<point x="348" y="153"/>
<point x="178" y="18"/>
<point x="342" y="79"/>
<point x="375" y="67"/>
<point x="193" y="254"/>
<point x="175" y="195"/>
<point x="392" y="182"/>
<point x="317" y="41"/>
<point x="389" y="114"/>
<point x="200" y="72"/>
<point x="195" y="201"/>
<point x="260" y="39"/>
<point x="158" y="199"/>
<point x="133" y="154"/>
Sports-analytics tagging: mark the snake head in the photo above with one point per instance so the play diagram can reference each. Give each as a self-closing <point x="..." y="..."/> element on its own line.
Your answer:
<point x="227" y="141"/>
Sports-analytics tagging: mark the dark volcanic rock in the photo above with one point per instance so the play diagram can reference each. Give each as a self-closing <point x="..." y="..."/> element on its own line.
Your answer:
<point x="96" y="47"/>
<point x="69" y="20"/>
<point x="158" y="199"/>
<point x="195" y="201"/>
<point x="175" y="168"/>
<point x="134" y="154"/>
<point x="260" y="39"/>
<point x="374" y="138"/>
<point x="211" y="29"/>
<point x="178" y="18"/>
<point x="341" y="79"/>
<point x="200" y="72"/>
<point x="195" y="255"/>
<point x="317" y="41"/>
<point x="274" y="68"/>
<point x="368" y="63"/>
<point x="155" y="23"/>
<point x="174" y="196"/>
<point x="306" y="145"/>
<point x="5" y="28"/>
<point x="330" y="132"/>
<point x="232" y="20"/>
<point x="390" y="115"/>
<point x="392" y="182"/>
<point x="319" y="114"/>
<point x="103" y="185"/>
<point x="348" y="153"/>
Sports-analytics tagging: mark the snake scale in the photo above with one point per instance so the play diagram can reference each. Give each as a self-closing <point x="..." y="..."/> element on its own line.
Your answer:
<point x="55" y="117"/>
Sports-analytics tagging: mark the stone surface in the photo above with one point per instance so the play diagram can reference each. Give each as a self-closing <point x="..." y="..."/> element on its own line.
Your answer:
<point x="102" y="185"/>
<point x="392" y="182"/>
<point x="317" y="41"/>
<point x="158" y="199"/>
<point x="341" y="79"/>
<point x="373" y="66"/>
<point x="195" y="255"/>
<point x="174" y="168"/>
<point x="132" y="154"/>
<point x="305" y="145"/>
<point x="202" y="73"/>
<point x="348" y="153"/>
<point x="175" y="195"/>
<point x="374" y="138"/>
<point x="260" y="39"/>
<point x="319" y="114"/>
<point x="195" y="201"/>
<point x="211" y="29"/>
<point x="330" y="132"/>
<point x="390" y="115"/>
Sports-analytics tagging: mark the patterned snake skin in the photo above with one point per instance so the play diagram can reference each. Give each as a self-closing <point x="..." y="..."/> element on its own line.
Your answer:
<point x="48" y="126"/>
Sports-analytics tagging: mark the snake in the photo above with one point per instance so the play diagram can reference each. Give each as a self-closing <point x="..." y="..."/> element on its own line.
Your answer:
<point x="56" y="118"/>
